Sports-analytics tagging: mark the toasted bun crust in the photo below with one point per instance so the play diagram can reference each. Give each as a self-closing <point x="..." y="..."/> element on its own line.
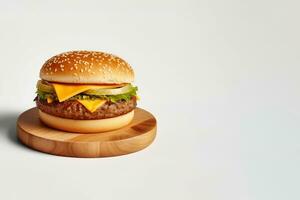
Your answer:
<point x="87" y="67"/>
<point x="86" y="126"/>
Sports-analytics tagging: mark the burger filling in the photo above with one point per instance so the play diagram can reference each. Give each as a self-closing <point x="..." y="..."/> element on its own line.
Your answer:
<point x="78" y="101"/>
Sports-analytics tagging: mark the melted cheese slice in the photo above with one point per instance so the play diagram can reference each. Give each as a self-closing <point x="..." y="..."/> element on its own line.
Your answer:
<point x="92" y="105"/>
<point x="66" y="91"/>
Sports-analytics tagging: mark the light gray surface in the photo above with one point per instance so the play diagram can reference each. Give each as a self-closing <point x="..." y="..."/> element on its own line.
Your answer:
<point x="222" y="78"/>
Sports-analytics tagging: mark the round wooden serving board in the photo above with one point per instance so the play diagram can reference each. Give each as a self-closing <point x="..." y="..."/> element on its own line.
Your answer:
<point x="136" y="136"/>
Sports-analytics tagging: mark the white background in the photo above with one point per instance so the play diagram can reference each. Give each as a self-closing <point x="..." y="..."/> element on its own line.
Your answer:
<point x="222" y="78"/>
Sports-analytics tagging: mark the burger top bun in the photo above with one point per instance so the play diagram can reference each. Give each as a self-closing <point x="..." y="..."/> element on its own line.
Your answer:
<point x="87" y="67"/>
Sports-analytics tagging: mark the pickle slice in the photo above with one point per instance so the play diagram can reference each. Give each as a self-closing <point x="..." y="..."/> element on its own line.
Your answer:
<point x="97" y="92"/>
<point x="44" y="87"/>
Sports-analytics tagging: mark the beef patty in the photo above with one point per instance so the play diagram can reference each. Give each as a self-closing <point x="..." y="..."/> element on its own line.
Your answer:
<point x="72" y="109"/>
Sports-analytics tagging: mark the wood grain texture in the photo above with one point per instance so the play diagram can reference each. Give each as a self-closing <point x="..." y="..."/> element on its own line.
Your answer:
<point x="134" y="137"/>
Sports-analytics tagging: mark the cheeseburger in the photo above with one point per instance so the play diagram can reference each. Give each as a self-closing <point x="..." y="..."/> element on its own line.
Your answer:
<point x="86" y="91"/>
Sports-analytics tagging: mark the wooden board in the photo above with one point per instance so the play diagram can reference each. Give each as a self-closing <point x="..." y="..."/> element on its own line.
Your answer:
<point x="136" y="136"/>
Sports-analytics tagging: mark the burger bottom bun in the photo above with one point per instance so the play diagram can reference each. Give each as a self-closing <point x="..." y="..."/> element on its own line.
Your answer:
<point x="86" y="126"/>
